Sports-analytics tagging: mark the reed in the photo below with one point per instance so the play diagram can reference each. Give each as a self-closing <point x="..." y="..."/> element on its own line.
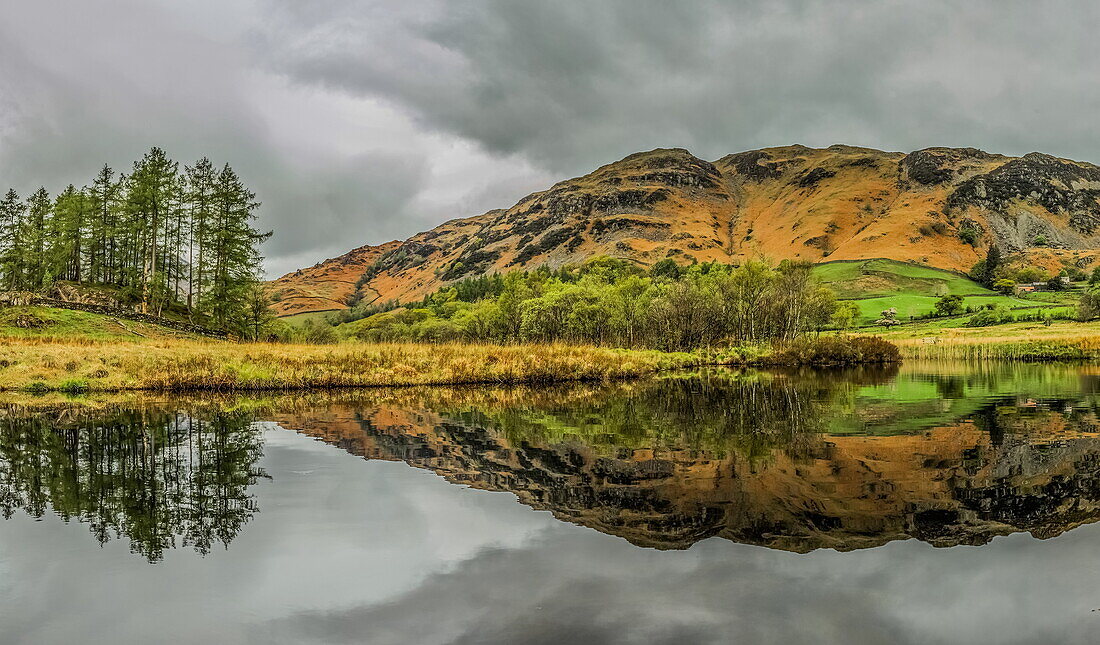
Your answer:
<point x="1064" y="349"/>
<point x="189" y="365"/>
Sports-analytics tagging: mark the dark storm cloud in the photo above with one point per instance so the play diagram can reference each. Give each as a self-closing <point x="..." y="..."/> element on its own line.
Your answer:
<point x="574" y="83"/>
<point x="362" y="120"/>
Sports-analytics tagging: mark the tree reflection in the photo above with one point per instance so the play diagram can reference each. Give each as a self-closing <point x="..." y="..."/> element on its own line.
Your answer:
<point x="720" y="412"/>
<point x="158" y="479"/>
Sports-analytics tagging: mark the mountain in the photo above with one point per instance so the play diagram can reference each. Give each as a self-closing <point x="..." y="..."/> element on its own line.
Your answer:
<point x="940" y="207"/>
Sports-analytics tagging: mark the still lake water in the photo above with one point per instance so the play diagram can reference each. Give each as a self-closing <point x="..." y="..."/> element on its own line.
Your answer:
<point x="938" y="503"/>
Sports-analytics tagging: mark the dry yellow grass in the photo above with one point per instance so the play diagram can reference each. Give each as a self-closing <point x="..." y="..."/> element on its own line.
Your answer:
<point x="180" y="365"/>
<point x="1017" y="341"/>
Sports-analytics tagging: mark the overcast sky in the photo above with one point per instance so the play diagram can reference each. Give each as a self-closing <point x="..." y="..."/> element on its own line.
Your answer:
<point x="360" y="121"/>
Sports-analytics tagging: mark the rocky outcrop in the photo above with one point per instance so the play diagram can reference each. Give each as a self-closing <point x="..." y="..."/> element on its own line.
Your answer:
<point x="1062" y="188"/>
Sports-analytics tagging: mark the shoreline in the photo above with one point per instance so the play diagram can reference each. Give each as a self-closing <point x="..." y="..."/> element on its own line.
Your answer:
<point x="164" y="366"/>
<point x="78" y="366"/>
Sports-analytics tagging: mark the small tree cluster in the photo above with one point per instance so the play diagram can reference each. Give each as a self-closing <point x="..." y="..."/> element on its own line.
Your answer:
<point x="160" y="235"/>
<point x="615" y="303"/>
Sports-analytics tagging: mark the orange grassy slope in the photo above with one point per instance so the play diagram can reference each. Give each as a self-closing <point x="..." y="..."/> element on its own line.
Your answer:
<point x="836" y="203"/>
<point x="326" y="285"/>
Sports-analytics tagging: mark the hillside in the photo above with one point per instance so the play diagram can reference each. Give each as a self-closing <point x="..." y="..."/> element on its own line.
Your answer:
<point x="326" y="285"/>
<point x="938" y="207"/>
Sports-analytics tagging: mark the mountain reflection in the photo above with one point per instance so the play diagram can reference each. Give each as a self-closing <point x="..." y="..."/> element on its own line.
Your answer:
<point x="796" y="460"/>
<point x="766" y="459"/>
<point x="158" y="479"/>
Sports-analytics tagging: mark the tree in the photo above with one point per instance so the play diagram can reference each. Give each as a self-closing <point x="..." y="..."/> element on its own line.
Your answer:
<point x="845" y="314"/>
<point x="257" y="318"/>
<point x="949" y="306"/>
<point x="1094" y="278"/>
<point x="235" y="257"/>
<point x="200" y="212"/>
<point x="32" y="239"/>
<point x="65" y="236"/>
<point x="1005" y="286"/>
<point x="985" y="271"/>
<point x="149" y="195"/>
<point x="969" y="235"/>
<point x="1088" y="308"/>
<point x="12" y="212"/>
<point x="101" y="228"/>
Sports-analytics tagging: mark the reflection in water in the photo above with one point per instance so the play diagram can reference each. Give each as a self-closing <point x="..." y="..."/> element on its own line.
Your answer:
<point x="158" y="479"/>
<point x="669" y="462"/>
<point x="789" y="460"/>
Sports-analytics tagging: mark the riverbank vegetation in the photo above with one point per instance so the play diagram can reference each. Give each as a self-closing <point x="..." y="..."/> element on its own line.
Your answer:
<point x="169" y="365"/>
<point x="1019" y="341"/>
<point x="181" y="365"/>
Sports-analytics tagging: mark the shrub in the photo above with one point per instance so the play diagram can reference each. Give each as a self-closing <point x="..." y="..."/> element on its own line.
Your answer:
<point x="995" y="316"/>
<point x="1089" y="306"/>
<point x="836" y="350"/>
<point x="73" y="386"/>
<point x="969" y="235"/>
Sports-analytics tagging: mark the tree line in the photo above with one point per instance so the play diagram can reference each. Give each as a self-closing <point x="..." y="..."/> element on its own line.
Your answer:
<point x="165" y="237"/>
<point x="612" y="302"/>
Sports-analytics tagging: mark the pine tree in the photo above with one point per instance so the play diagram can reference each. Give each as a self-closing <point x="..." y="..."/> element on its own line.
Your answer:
<point x="200" y="212"/>
<point x="151" y="187"/>
<point x="163" y="238"/>
<point x="12" y="212"/>
<point x="33" y="239"/>
<point x="65" y="236"/>
<point x="233" y="240"/>
<point x="100" y="242"/>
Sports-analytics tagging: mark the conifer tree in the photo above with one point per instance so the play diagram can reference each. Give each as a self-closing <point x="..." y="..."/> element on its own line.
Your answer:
<point x="100" y="241"/>
<point x="200" y="198"/>
<point x="65" y="236"/>
<point x="163" y="238"/>
<point x="12" y="212"/>
<point x="32" y="239"/>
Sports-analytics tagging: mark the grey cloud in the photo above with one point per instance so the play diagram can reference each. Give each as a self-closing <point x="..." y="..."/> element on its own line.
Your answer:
<point x="574" y="84"/>
<point x="87" y="84"/>
<point x="530" y="91"/>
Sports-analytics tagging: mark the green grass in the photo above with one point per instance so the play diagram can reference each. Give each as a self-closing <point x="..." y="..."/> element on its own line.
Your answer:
<point x="65" y="324"/>
<point x="881" y="278"/>
<point x="878" y="285"/>
<point x="870" y="309"/>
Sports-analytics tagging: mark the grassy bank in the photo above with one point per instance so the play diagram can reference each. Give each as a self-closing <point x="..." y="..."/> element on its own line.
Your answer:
<point x="1015" y="341"/>
<point x="180" y="365"/>
<point x="176" y="365"/>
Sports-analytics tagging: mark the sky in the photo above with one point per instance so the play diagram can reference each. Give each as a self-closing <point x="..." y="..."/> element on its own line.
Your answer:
<point x="362" y="121"/>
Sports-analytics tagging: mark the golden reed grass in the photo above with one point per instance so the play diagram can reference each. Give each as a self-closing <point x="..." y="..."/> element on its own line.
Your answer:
<point x="183" y="365"/>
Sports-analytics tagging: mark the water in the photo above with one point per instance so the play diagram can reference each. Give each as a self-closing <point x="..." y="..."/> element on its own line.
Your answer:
<point x="936" y="504"/>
